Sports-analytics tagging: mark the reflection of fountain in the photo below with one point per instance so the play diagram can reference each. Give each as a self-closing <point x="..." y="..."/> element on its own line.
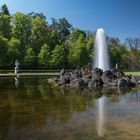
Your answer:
<point x="101" y="116"/>
<point x="101" y="61"/>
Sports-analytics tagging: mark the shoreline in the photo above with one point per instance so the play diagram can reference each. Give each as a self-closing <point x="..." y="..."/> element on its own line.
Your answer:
<point x="28" y="74"/>
<point x="48" y="74"/>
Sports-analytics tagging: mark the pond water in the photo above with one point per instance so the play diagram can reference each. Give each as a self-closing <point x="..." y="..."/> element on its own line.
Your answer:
<point x="31" y="109"/>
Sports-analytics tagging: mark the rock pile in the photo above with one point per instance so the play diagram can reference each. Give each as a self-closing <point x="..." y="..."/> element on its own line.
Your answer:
<point x="96" y="78"/>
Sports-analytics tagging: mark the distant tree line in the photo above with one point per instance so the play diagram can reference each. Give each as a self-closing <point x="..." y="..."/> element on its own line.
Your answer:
<point x="40" y="45"/>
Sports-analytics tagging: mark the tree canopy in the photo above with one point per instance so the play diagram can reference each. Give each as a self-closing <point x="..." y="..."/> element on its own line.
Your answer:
<point x="55" y="45"/>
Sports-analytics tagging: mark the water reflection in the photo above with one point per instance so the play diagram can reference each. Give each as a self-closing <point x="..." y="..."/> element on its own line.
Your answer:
<point x="37" y="110"/>
<point x="134" y="96"/>
<point x="17" y="81"/>
<point x="101" y="103"/>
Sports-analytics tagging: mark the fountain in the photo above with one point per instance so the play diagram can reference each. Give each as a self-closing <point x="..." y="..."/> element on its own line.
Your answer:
<point x="96" y="77"/>
<point x="101" y="61"/>
<point x="99" y="75"/>
<point x="101" y="51"/>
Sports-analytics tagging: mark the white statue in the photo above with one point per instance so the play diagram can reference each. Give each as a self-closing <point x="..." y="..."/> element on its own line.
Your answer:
<point x="16" y="66"/>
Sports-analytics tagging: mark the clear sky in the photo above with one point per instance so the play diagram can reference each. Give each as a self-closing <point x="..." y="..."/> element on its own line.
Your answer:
<point x="120" y="18"/>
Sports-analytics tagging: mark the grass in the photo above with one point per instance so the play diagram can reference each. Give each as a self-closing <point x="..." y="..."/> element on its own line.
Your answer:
<point x="32" y="71"/>
<point x="132" y="73"/>
<point x="29" y="74"/>
<point x="10" y="73"/>
<point x="46" y="73"/>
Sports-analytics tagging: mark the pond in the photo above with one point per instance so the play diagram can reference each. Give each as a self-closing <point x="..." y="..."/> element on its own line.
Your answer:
<point x="32" y="109"/>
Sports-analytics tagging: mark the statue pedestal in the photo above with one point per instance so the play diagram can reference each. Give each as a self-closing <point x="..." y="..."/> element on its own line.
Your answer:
<point x="16" y="70"/>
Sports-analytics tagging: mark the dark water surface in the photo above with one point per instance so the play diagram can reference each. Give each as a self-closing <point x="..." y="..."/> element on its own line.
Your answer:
<point x="31" y="109"/>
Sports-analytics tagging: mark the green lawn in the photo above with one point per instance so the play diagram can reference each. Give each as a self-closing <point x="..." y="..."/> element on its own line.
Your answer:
<point x="132" y="73"/>
<point x="49" y="73"/>
<point x="29" y="74"/>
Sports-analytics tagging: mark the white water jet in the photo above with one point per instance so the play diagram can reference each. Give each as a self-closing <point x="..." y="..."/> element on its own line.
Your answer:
<point x="101" y="51"/>
<point x="102" y="62"/>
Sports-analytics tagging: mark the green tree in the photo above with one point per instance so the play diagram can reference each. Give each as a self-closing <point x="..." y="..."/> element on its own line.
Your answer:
<point x="74" y="35"/>
<point x="118" y="53"/>
<point x="53" y="33"/>
<point x="59" y="57"/>
<point x="13" y="51"/>
<point x="39" y="33"/>
<point x="34" y="15"/>
<point x="64" y="29"/>
<point x="59" y="32"/>
<point x="5" y="27"/>
<point x="44" y="55"/>
<point x="134" y="46"/>
<point x="78" y="55"/>
<point x="30" y="58"/>
<point x="5" y="10"/>
<point x="3" y="51"/>
<point x="90" y="45"/>
<point x="21" y="30"/>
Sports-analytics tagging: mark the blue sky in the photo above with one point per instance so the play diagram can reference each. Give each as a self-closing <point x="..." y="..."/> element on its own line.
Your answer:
<point x="120" y="18"/>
